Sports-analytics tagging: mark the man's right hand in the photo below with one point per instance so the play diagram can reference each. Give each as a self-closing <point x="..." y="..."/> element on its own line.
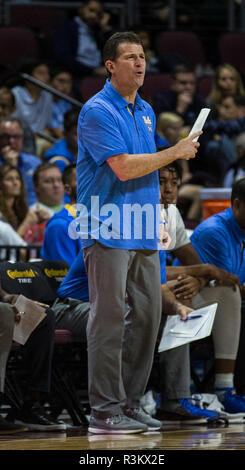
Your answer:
<point x="186" y="148"/>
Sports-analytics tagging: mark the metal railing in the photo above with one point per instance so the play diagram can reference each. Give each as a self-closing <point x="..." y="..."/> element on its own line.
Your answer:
<point x="15" y="253"/>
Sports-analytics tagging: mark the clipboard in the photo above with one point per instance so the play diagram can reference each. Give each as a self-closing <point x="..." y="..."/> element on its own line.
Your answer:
<point x="178" y="332"/>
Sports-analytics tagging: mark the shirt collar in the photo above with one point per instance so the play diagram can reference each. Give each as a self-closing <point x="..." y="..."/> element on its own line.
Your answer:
<point x="119" y="100"/>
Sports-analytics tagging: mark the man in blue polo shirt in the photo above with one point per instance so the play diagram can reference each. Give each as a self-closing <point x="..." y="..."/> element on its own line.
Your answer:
<point x="116" y="176"/>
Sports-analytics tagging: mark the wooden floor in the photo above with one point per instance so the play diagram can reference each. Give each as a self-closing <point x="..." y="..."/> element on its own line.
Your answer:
<point x="196" y="437"/>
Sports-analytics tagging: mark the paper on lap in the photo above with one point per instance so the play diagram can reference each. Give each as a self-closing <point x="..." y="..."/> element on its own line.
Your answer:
<point x="31" y="314"/>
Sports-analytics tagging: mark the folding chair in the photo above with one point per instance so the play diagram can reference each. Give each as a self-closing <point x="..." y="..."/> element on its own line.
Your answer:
<point x="182" y="43"/>
<point x="27" y="279"/>
<point x="16" y="42"/>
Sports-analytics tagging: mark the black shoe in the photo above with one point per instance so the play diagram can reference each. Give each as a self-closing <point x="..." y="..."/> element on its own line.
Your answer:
<point x="10" y="428"/>
<point x="35" y="419"/>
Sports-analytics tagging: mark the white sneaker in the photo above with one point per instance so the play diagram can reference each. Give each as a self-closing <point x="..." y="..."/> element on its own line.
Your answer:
<point x="210" y="401"/>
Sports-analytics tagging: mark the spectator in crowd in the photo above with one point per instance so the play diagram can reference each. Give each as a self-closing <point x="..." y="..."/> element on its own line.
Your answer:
<point x="37" y="355"/>
<point x="13" y="204"/>
<point x="8" y="109"/>
<point x="65" y="150"/>
<point x="11" y="151"/>
<point x="227" y="82"/>
<point x="182" y="97"/>
<point x="217" y="154"/>
<point x="237" y="169"/>
<point x="33" y="104"/>
<point x="170" y="127"/>
<point x="78" y="42"/>
<point x="152" y="61"/>
<point x="61" y="80"/>
<point x="58" y="244"/>
<point x="47" y="179"/>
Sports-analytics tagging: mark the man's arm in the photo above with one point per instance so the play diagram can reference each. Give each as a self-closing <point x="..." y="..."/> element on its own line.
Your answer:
<point x="187" y="254"/>
<point x="209" y="271"/>
<point x="127" y="166"/>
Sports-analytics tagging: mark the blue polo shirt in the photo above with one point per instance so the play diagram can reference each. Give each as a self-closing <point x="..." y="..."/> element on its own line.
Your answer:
<point x="218" y="240"/>
<point x="57" y="244"/>
<point x="119" y="214"/>
<point x="75" y="284"/>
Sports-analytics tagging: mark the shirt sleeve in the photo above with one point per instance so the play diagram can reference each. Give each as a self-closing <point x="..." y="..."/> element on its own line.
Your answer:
<point x="182" y="237"/>
<point x="99" y="133"/>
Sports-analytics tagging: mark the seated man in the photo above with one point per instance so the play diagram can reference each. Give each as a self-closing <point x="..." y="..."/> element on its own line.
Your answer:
<point x="220" y="240"/>
<point x="57" y="244"/>
<point x="64" y="151"/>
<point x="196" y="290"/>
<point x="182" y="97"/>
<point x="38" y="353"/>
<point x="49" y="188"/>
<point x="8" y="109"/>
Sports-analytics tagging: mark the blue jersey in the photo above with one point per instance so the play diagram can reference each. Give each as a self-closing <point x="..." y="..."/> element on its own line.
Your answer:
<point x="57" y="244"/>
<point x="75" y="284"/>
<point x="219" y="240"/>
<point x="119" y="214"/>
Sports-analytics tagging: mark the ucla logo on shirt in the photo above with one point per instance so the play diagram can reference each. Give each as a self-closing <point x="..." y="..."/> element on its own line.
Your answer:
<point x="148" y="122"/>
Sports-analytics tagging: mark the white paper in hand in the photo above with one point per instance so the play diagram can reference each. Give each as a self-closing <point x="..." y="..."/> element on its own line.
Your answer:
<point x="200" y="121"/>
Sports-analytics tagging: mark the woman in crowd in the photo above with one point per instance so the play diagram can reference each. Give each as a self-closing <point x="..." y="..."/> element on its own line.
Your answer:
<point x="227" y="82"/>
<point x="13" y="204"/>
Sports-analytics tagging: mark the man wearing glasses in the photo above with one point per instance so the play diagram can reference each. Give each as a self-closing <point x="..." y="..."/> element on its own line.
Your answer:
<point x="11" y="143"/>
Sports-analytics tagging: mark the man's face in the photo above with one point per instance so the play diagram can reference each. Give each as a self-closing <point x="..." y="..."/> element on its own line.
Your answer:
<point x="6" y="104"/>
<point x="62" y="82"/>
<point x="168" y="186"/>
<point x="184" y="82"/>
<point x="11" y="135"/>
<point x="91" y="13"/>
<point x="128" y="70"/>
<point x="50" y="189"/>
